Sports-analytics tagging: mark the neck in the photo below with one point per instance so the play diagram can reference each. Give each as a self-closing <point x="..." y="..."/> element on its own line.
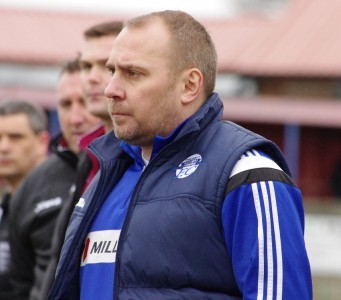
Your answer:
<point x="147" y="152"/>
<point x="145" y="159"/>
<point x="13" y="183"/>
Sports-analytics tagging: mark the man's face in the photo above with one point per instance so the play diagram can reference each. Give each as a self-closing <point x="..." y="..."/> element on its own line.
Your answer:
<point x="74" y="118"/>
<point x="20" y="147"/>
<point x="95" y="75"/>
<point x="143" y="92"/>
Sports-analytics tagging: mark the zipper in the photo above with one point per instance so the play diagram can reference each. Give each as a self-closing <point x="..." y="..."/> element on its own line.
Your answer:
<point x="84" y="222"/>
<point x="130" y="209"/>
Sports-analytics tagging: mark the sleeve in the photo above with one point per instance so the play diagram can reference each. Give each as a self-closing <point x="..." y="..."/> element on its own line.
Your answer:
<point x="263" y="224"/>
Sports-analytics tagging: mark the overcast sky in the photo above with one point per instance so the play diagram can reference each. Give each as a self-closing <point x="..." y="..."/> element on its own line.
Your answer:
<point x="198" y="8"/>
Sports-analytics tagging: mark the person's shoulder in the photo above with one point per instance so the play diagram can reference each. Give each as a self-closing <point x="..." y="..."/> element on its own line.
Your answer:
<point x="40" y="175"/>
<point x="55" y="161"/>
<point x="256" y="166"/>
<point x="52" y="159"/>
<point x="254" y="159"/>
<point x="50" y="179"/>
<point x="45" y="167"/>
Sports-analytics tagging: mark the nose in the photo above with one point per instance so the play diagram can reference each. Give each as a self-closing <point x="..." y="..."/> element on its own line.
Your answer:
<point x="4" y="144"/>
<point x="114" y="90"/>
<point x="94" y="74"/>
<point x="76" y="115"/>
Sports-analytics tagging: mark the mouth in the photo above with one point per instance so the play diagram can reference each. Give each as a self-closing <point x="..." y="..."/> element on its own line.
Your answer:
<point x="95" y="97"/>
<point x="118" y="116"/>
<point x="78" y="134"/>
<point x="94" y="94"/>
<point x="5" y="162"/>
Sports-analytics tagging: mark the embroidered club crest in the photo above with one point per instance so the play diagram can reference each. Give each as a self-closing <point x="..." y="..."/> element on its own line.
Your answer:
<point x="188" y="166"/>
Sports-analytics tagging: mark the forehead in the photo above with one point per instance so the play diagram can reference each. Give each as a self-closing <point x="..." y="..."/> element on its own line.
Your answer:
<point x="17" y="123"/>
<point x="149" y="42"/>
<point x="97" y="48"/>
<point x="69" y="81"/>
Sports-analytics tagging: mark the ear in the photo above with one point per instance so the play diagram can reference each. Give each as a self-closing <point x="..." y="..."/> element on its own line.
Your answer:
<point x="43" y="140"/>
<point x="193" y="80"/>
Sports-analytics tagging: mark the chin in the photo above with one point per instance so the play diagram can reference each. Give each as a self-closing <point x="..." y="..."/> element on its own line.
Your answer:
<point x="96" y="112"/>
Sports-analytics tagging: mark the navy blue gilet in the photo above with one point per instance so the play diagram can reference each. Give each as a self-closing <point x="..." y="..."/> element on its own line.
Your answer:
<point x="171" y="245"/>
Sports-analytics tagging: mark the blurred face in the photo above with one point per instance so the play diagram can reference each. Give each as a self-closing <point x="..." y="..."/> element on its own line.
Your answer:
<point x="95" y="75"/>
<point x="143" y="96"/>
<point x="75" y="120"/>
<point x="21" y="149"/>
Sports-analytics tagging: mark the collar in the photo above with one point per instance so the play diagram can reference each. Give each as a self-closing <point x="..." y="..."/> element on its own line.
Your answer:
<point x="105" y="147"/>
<point x="88" y="138"/>
<point x="59" y="147"/>
<point x="58" y="144"/>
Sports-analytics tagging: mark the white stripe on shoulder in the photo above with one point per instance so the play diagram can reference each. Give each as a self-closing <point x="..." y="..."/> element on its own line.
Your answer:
<point x="278" y="241"/>
<point x="269" y="247"/>
<point x="261" y="250"/>
<point x="246" y="163"/>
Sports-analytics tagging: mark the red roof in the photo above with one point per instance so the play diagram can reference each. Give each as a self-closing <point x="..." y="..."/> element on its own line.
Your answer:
<point x="39" y="37"/>
<point x="302" y="40"/>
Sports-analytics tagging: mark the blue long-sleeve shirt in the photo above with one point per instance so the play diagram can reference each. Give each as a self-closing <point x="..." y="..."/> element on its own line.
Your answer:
<point x="263" y="225"/>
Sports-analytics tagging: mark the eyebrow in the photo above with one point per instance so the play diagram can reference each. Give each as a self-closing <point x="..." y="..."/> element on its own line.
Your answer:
<point x="89" y="61"/>
<point x="122" y="66"/>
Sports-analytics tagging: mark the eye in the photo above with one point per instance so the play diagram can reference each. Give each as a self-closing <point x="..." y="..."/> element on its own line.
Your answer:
<point x="84" y="66"/>
<point x="132" y="73"/>
<point x="16" y="136"/>
<point x="111" y="71"/>
<point x="64" y="103"/>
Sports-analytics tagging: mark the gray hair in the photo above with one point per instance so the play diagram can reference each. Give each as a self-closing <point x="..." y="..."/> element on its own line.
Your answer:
<point x="36" y="115"/>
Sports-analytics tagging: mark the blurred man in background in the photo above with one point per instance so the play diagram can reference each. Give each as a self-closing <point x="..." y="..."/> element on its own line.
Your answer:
<point x="98" y="41"/>
<point x="36" y="205"/>
<point x="23" y="146"/>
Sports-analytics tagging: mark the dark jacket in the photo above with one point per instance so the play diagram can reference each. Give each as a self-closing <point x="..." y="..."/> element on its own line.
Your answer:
<point x="161" y="252"/>
<point x="33" y="213"/>
<point x="84" y="168"/>
<point x="6" y="288"/>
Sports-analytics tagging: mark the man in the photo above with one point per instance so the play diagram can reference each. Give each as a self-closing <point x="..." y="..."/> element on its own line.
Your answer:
<point x="23" y="146"/>
<point x="37" y="203"/>
<point x="98" y="41"/>
<point x="190" y="207"/>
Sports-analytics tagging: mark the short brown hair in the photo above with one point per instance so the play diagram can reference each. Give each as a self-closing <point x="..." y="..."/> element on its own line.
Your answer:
<point x="191" y="44"/>
<point x="103" y="29"/>
<point x="70" y="66"/>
